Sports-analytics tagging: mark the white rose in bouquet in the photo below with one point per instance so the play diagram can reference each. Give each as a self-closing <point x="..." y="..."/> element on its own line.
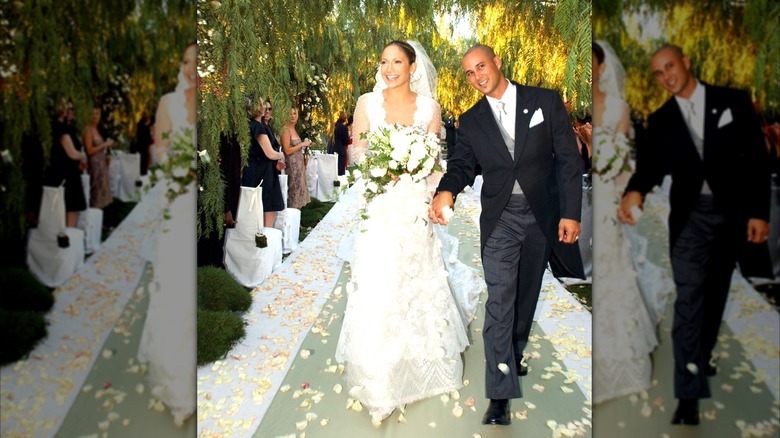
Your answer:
<point x="372" y="186"/>
<point x="418" y="151"/>
<point x="378" y="172"/>
<point x="357" y="174"/>
<point x="412" y="164"/>
<point x="393" y="164"/>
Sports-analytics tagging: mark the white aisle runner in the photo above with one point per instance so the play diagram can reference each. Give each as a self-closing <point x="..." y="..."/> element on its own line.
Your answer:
<point x="36" y="393"/>
<point x="235" y="393"/>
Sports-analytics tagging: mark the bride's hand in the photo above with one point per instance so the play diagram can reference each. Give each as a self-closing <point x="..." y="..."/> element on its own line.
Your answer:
<point x="442" y="201"/>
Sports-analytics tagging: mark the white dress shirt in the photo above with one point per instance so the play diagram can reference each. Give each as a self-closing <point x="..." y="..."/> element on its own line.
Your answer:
<point x="507" y="118"/>
<point x="693" y="109"/>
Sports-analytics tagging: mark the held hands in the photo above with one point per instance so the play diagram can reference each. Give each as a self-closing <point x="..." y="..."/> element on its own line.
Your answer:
<point x="436" y="212"/>
<point x="628" y="207"/>
<point x="568" y="230"/>
<point x="280" y="165"/>
<point x="757" y="230"/>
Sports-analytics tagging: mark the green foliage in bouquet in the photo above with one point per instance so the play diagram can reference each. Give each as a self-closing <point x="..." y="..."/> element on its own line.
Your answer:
<point x="392" y="152"/>
<point x="178" y="171"/>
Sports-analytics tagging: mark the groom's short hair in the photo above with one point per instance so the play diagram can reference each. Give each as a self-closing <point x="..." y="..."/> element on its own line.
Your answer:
<point x="487" y="49"/>
<point x="674" y="48"/>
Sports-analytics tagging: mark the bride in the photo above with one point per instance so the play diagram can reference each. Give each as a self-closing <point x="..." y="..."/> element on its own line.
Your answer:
<point x="168" y="341"/>
<point x="624" y="334"/>
<point x="402" y="334"/>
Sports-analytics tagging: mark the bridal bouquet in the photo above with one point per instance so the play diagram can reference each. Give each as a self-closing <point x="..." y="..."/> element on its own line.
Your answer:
<point x="391" y="153"/>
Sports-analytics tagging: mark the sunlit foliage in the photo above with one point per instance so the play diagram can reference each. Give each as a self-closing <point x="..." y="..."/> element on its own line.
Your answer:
<point x="275" y="49"/>
<point x="730" y="43"/>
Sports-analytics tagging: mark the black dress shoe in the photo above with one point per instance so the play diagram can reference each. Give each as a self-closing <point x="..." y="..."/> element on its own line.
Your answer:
<point x="687" y="412"/>
<point x="497" y="413"/>
<point x="522" y="369"/>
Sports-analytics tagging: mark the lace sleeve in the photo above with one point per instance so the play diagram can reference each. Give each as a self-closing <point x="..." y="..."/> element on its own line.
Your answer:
<point x="360" y="125"/>
<point x="435" y="126"/>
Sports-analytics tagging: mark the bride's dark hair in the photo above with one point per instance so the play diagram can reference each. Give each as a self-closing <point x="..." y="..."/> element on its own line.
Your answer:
<point x="406" y="47"/>
<point x="599" y="53"/>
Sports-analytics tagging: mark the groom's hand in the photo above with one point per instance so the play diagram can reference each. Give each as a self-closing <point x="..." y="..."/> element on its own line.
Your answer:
<point x="568" y="230"/>
<point x="435" y="211"/>
<point x="630" y="200"/>
<point x="758" y="230"/>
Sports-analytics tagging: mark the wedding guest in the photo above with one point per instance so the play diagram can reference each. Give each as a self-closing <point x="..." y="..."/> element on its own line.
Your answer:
<point x="96" y="146"/>
<point x="449" y="126"/>
<point x="263" y="160"/>
<point x="143" y="139"/>
<point x="66" y="162"/>
<point x="340" y="141"/>
<point x="583" y="131"/>
<point x="297" y="190"/>
<point x="267" y="116"/>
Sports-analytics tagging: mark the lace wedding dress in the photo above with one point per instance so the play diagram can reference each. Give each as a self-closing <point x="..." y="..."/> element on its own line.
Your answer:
<point x="624" y="333"/>
<point x="168" y="341"/>
<point x="402" y="334"/>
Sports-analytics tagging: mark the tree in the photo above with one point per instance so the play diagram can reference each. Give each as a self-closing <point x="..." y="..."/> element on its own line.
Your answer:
<point x="320" y="56"/>
<point x="125" y="53"/>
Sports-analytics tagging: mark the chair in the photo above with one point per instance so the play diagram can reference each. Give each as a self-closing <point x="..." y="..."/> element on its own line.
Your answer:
<point x="327" y="172"/>
<point x="130" y="170"/>
<point x="50" y="263"/>
<point x="311" y="176"/>
<point x="288" y="221"/>
<point x="247" y="263"/>
<point x="90" y="220"/>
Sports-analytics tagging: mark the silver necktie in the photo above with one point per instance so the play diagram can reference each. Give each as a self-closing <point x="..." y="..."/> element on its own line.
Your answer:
<point x="501" y="111"/>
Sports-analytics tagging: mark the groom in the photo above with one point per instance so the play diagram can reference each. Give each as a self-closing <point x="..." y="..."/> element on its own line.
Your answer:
<point x="710" y="141"/>
<point x="531" y="199"/>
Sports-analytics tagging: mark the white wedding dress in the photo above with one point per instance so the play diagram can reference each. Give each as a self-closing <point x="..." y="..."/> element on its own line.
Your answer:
<point x="168" y="342"/>
<point x="623" y="331"/>
<point x="402" y="334"/>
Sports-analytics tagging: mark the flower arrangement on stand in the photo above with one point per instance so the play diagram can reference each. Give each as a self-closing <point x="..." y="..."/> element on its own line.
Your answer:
<point x="392" y="152"/>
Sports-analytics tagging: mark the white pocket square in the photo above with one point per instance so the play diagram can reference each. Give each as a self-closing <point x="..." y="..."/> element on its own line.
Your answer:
<point x="725" y="118"/>
<point x="537" y="118"/>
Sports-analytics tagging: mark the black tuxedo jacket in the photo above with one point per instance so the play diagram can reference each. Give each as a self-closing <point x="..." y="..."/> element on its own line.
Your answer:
<point x="735" y="162"/>
<point x="546" y="165"/>
<point x="735" y="165"/>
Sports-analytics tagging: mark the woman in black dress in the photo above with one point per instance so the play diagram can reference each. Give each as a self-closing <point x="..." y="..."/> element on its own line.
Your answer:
<point x="66" y="162"/>
<point x="262" y="162"/>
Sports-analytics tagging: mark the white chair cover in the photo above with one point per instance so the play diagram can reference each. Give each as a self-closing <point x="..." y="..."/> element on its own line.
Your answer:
<point x="115" y="173"/>
<point x="130" y="167"/>
<point x="477" y="186"/>
<point x="49" y="263"/>
<point x="283" y="184"/>
<point x="774" y="232"/>
<point x="289" y="222"/>
<point x="586" y="234"/>
<point x="311" y="176"/>
<point x="91" y="223"/>
<point x="247" y="263"/>
<point x="90" y="220"/>
<point x="327" y="172"/>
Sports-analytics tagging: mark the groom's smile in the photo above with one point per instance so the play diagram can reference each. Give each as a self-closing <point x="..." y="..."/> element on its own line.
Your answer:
<point x="484" y="73"/>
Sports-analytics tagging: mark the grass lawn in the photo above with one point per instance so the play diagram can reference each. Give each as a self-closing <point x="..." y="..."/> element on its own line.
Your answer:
<point x="311" y="214"/>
